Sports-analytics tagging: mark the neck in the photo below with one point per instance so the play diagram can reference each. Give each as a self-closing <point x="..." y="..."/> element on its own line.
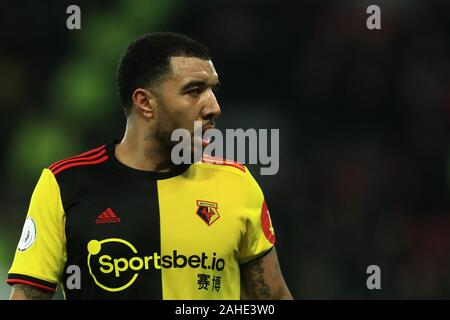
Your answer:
<point x="138" y="151"/>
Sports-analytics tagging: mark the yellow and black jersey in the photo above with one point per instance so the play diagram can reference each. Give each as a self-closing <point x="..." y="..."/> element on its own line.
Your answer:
<point x="132" y="234"/>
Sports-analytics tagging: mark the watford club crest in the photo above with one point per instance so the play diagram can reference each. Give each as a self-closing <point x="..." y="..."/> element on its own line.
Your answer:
<point x="207" y="211"/>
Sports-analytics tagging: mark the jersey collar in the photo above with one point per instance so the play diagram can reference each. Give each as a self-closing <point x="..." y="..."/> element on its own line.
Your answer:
<point x="143" y="174"/>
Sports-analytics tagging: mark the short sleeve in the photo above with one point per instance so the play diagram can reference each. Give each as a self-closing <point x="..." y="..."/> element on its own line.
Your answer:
<point x="259" y="236"/>
<point x="41" y="253"/>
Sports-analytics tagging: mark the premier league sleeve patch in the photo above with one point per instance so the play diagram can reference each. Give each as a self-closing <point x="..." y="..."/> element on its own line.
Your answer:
<point x="28" y="235"/>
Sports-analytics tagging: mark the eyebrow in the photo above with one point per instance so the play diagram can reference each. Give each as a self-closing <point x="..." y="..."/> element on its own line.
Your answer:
<point x="198" y="83"/>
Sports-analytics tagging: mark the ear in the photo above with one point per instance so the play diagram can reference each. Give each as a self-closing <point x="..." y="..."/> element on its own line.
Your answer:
<point x="144" y="102"/>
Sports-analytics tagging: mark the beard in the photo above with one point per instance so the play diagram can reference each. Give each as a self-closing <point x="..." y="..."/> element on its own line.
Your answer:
<point x="166" y="124"/>
<point x="163" y="132"/>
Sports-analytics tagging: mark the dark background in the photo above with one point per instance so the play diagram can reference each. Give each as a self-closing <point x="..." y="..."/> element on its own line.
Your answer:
<point x="364" y="118"/>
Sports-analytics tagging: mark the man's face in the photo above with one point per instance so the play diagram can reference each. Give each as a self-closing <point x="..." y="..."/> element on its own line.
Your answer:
<point x="186" y="95"/>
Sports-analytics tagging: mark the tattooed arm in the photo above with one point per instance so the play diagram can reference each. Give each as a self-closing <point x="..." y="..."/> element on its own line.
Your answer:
<point x="26" y="292"/>
<point x="262" y="279"/>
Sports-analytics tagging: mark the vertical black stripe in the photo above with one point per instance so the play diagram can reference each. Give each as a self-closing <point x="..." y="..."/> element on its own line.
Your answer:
<point x="135" y="202"/>
<point x="145" y="232"/>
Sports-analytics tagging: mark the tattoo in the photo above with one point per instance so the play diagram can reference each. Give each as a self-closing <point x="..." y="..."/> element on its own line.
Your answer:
<point x="255" y="284"/>
<point x="26" y="292"/>
<point x="262" y="279"/>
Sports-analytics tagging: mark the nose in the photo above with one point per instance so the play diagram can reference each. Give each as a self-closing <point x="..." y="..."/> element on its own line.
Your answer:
<point x="212" y="108"/>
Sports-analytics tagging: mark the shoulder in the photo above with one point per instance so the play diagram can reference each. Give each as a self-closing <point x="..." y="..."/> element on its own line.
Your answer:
<point x="222" y="166"/>
<point x="86" y="159"/>
<point x="226" y="169"/>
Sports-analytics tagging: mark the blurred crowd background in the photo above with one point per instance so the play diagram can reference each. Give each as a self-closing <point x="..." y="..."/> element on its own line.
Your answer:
<point x="364" y="118"/>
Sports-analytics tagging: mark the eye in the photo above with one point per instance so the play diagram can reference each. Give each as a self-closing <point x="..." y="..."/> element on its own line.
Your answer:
<point x="194" y="92"/>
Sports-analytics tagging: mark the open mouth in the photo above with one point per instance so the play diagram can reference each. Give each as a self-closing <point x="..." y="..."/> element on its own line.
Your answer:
<point x="200" y="136"/>
<point x="206" y="140"/>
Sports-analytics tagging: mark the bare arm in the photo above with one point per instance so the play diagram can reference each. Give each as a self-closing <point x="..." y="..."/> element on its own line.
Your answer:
<point x="26" y="292"/>
<point x="262" y="279"/>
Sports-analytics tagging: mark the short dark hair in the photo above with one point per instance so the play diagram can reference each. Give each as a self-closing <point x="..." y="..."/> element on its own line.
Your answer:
<point x="147" y="60"/>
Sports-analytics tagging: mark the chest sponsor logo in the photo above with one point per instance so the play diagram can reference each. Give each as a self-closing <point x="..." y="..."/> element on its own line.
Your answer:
<point x="208" y="211"/>
<point x="114" y="264"/>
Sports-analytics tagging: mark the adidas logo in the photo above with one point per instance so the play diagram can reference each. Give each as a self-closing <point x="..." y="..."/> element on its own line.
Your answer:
<point x="107" y="216"/>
